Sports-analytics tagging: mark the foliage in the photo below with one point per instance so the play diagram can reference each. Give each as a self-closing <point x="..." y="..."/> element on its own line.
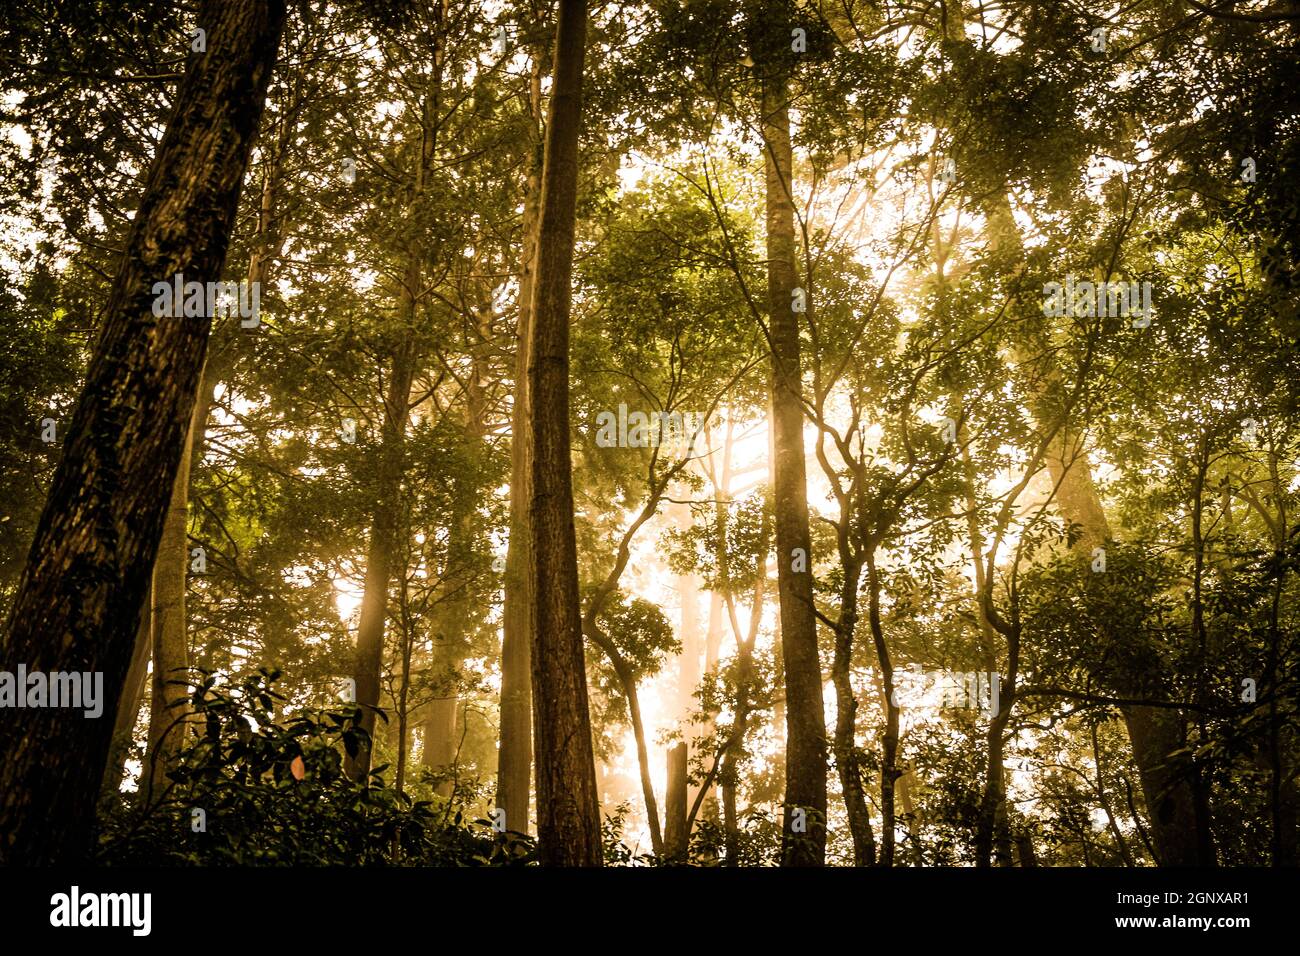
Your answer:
<point x="260" y="787"/>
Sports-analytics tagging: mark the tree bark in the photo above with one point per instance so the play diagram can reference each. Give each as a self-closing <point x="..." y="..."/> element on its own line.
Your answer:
<point x="675" y="835"/>
<point x="846" y="720"/>
<point x="464" y="594"/>
<point x="568" y="815"/>
<point x="627" y="679"/>
<point x="440" y="740"/>
<point x="806" y="761"/>
<point x="733" y="747"/>
<point x="515" y="756"/>
<point x="404" y="688"/>
<point x="128" y="707"/>
<point x="690" y="671"/>
<point x="383" y="549"/>
<point x="170" y="706"/>
<point x="720" y="479"/>
<point x="889" y="772"/>
<point x="80" y="597"/>
<point x="219" y="358"/>
<point x="991" y="829"/>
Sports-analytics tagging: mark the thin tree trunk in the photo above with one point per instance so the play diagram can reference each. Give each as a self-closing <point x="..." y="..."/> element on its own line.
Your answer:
<point x="903" y="794"/>
<point x="688" y="673"/>
<point x="734" y="746"/>
<point x="404" y="691"/>
<point x="846" y="723"/>
<point x="128" y="708"/>
<point x="689" y="661"/>
<point x="806" y="763"/>
<point x="642" y="753"/>
<point x="170" y="563"/>
<point x="79" y="601"/>
<point x="383" y="549"/>
<point x="627" y="681"/>
<point x="713" y="637"/>
<point x="515" y="756"/>
<point x="568" y="815"/>
<point x="889" y="772"/>
<point x="170" y="707"/>
<point x="1284" y="787"/>
<point x="993" y="831"/>
<point x="462" y="609"/>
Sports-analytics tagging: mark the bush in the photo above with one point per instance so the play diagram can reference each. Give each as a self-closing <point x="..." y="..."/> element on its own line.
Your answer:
<point x="257" y="790"/>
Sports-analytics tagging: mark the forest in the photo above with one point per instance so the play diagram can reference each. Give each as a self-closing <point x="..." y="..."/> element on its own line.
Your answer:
<point x="663" y="433"/>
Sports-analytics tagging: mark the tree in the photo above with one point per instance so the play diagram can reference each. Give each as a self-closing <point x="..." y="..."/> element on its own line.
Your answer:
<point x="1044" y="553"/>
<point x="80" y="597"/>
<point x="568" y="822"/>
<point x="515" y="760"/>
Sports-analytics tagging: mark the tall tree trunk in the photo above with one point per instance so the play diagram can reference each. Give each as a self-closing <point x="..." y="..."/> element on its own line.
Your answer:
<point x="568" y="815"/>
<point x="992" y="833"/>
<point x="515" y="756"/>
<point x="80" y="597"/>
<point x="713" y="637"/>
<point x="688" y="672"/>
<point x="992" y="830"/>
<point x="170" y="706"/>
<point x="720" y="479"/>
<point x="383" y="551"/>
<point x="903" y="792"/>
<point x="404" y="688"/>
<point x="805" y="766"/>
<point x="734" y="748"/>
<point x="462" y="577"/>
